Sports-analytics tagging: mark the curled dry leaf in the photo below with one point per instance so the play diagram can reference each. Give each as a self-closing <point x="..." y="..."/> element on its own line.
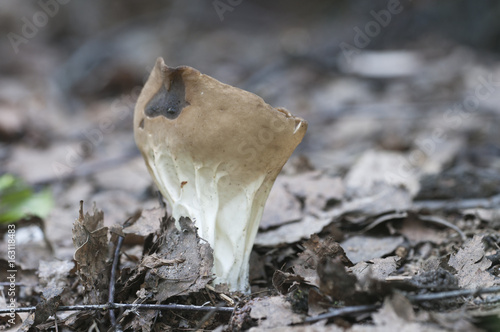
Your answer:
<point x="90" y="239"/>
<point x="273" y="312"/>
<point x="471" y="265"/>
<point x="317" y="249"/>
<point x="363" y="248"/>
<point x="181" y="263"/>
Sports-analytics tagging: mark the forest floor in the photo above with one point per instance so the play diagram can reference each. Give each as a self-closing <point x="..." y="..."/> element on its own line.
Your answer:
<point x="387" y="216"/>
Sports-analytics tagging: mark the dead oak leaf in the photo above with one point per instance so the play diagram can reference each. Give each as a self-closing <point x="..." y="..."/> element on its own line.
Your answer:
<point x="90" y="239"/>
<point x="396" y="314"/>
<point x="317" y="249"/>
<point x="180" y="264"/>
<point x="471" y="264"/>
<point x="271" y="312"/>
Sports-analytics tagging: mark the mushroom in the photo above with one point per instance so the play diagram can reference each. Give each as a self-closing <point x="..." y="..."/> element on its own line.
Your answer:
<point x="214" y="152"/>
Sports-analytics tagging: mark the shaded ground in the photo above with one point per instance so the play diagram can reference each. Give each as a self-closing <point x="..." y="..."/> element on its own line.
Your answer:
<point x="392" y="196"/>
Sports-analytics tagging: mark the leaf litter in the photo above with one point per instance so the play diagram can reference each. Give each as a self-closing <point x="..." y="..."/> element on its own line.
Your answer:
<point x="366" y="214"/>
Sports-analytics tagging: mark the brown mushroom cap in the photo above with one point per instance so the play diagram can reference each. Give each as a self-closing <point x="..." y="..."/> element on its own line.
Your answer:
<point x="217" y="122"/>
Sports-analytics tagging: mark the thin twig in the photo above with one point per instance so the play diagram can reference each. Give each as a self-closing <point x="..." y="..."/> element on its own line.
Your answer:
<point x="342" y="312"/>
<point x="206" y="317"/>
<point x="451" y="294"/>
<point x="384" y="218"/>
<point x="55" y="323"/>
<point x="461" y="204"/>
<point x="114" y="267"/>
<point x="413" y="298"/>
<point x="125" y="306"/>
<point x="443" y="222"/>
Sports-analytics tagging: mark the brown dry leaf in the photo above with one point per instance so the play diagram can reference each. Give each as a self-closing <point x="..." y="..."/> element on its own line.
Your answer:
<point x="281" y="206"/>
<point x="31" y="243"/>
<point x="12" y="123"/>
<point x="386" y="198"/>
<point x="376" y="171"/>
<point x="46" y="309"/>
<point x="437" y="279"/>
<point x="317" y="189"/>
<point x="317" y="303"/>
<point x="54" y="277"/>
<point x="457" y="321"/>
<point x="285" y="282"/>
<point x="90" y="239"/>
<point x="342" y="285"/>
<point x="271" y="312"/>
<point x="50" y="162"/>
<point x="314" y="188"/>
<point x="316" y="250"/>
<point x="305" y="328"/>
<point x="417" y="231"/>
<point x="7" y="322"/>
<point x="378" y="268"/>
<point x="143" y="322"/>
<point x="395" y="315"/>
<point x="364" y="248"/>
<point x="181" y="264"/>
<point x="294" y="232"/>
<point x="471" y="265"/>
<point x="148" y="223"/>
<point x="336" y="282"/>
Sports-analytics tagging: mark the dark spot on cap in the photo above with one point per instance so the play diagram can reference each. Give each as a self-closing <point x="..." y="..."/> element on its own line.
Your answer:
<point x="141" y="124"/>
<point x="171" y="102"/>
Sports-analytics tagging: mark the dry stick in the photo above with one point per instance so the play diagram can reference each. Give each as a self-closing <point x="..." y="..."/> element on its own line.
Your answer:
<point x="404" y="214"/>
<point x="332" y="313"/>
<point x="451" y="294"/>
<point x="485" y="203"/>
<point x="125" y="306"/>
<point x="114" y="267"/>
<point x="443" y="222"/>
<point x="342" y="312"/>
<point x="413" y="298"/>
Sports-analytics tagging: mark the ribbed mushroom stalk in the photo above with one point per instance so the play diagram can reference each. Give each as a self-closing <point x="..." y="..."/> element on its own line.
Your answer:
<point x="214" y="152"/>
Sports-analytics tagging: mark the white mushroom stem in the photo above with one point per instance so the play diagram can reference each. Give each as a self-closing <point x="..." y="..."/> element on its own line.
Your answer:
<point x="214" y="152"/>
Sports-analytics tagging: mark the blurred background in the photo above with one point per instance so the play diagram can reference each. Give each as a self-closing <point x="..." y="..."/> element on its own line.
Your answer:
<point x="420" y="79"/>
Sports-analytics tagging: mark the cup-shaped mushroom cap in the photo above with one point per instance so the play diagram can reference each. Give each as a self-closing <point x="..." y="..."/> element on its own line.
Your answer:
<point x="214" y="152"/>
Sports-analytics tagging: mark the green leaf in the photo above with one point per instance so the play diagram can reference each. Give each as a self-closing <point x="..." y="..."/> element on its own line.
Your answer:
<point x="17" y="200"/>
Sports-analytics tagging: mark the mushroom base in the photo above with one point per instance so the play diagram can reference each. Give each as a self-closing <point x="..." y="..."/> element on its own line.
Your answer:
<point x="225" y="208"/>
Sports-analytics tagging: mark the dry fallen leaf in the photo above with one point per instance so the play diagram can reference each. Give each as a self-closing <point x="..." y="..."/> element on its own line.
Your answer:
<point x="281" y="206"/>
<point x="90" y="239"/>
<point x="363" y="248"/>
<point x="316" y="189"/>
<point x="317" y="249"/>
<point x="395" y="315"/>
<point x="294" y="232"/>
<point x="471" y="265"/>
<point x="181" y="263"/>
<point x="54" y="276"/>
<point x="148" y="222"/>
<point x="377" y="170"/>
<point x="272" y="312"/>
<point x="378" y="268"/>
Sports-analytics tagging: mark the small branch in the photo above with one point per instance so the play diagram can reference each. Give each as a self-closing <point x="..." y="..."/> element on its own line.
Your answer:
<point x="111" y="297"/>
<point x="413" y="298"/>
<point x="451" y="294"/>
<point x="125" y="306"/>
<point x="441" y="221"/>
<point x="453" y="204"/>
<point x="342" y="312"/>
